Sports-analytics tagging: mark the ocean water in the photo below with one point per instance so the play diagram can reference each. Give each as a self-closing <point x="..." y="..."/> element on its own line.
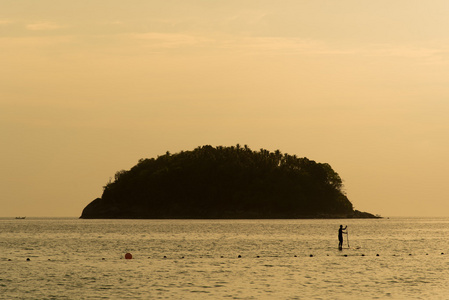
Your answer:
<point x="396" y="258"/>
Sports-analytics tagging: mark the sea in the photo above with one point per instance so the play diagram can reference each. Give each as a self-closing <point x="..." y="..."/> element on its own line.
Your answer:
<point x="71" y="258"/>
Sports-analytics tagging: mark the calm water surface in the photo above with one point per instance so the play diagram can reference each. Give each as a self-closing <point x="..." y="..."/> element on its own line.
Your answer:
<point x="199" y="259"/>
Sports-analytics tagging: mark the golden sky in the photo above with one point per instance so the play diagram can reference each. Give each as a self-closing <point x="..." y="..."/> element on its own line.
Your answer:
<point x="89" y="87"/>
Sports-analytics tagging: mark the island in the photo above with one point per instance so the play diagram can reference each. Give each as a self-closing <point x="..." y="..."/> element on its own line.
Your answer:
<point x="224" y="183"/>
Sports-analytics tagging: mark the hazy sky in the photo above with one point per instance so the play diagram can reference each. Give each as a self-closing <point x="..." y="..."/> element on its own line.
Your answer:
<point x="89" y="87"/>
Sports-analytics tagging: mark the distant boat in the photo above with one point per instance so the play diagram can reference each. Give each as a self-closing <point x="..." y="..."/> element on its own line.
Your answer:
<point x="20" y="218"/>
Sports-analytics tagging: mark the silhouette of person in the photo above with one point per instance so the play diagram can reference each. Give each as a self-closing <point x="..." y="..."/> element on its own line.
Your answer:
<point x="340" y="236"/>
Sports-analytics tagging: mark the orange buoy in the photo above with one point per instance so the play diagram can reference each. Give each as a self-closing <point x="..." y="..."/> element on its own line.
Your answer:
<point x="128" y="256"/>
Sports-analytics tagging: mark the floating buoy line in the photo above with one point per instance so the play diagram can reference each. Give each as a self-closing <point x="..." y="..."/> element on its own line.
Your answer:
<point x="129" y="256"/>
<point x="299" y="256"/>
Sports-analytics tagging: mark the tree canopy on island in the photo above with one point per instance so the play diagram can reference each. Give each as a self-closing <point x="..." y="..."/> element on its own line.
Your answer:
<point x="223" y="182"/>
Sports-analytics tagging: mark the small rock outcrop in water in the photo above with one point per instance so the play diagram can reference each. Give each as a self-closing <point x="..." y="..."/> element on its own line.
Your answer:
<point x="227" y="183"/>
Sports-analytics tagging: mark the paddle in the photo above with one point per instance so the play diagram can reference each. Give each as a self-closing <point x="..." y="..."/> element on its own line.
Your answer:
<point x="347" y="237"/>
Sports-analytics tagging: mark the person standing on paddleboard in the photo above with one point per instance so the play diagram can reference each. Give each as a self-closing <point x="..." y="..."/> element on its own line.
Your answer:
<point x="340" y="236"/>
